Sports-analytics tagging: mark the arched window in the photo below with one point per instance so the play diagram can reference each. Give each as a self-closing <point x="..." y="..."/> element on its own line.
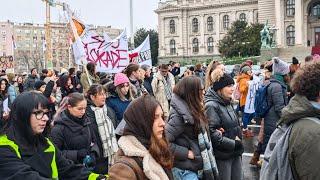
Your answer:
<point x="172" y="47"/>
<point x="195" y="45"/>
<point x="210" y="23"/>
<point x="290" y="35"/>
<point x="225" y="22"/>
<point x="172" y="26"/>
<point x="316" y="10"/>
<point x="195" y="25"/>
<point x="210" y="45"/>
<point x="290" y="7"/>
<point x="242" y="17"/>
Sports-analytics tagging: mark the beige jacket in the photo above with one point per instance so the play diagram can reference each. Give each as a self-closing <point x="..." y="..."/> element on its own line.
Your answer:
<point x="159" y="92"/>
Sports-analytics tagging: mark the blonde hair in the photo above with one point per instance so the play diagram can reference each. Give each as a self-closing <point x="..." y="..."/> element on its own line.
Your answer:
<point x="211" y="67"/>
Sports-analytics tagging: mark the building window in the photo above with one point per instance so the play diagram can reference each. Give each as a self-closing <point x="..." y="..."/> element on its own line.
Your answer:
<point x="195" y="25"/>
<point x="257" y="17"/>
<point x="172" y="47"/>
<point x="243" y="17"/>
<point x="316" y="10"/>
<point x="210" y="23"/>
<point x="195" y="45"/>
<point x="290" y="35"/>
<point x="210" y="45"/>
<point x="290" y="7"/>
<point x="172" y="27"/>
<point x="225" y="22"/>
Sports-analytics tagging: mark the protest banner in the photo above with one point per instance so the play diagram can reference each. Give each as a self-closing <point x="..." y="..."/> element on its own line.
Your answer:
<point x="142" y="54"/>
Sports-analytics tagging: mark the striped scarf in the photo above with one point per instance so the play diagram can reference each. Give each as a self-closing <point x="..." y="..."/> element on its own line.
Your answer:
<point x="106" y="132"/>
<point x="210" y="169"/>
<point x="167" y="87"/>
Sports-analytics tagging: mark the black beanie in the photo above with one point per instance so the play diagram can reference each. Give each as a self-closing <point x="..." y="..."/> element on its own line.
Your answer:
<point x="224" y="81"/>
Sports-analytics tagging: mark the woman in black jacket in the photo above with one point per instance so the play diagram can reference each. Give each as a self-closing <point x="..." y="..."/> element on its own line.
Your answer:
<point x="66" y="86"/>
<point x="72" y="135"/>
<point x="26" y="153"/>
<point x="224" y="126"/>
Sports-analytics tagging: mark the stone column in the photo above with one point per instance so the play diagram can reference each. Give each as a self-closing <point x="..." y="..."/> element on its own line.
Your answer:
<point x="298" y="18"/>
<point x="278" y="22"/>
<point x="217" y="32"/>
<point x="202" y="39"/>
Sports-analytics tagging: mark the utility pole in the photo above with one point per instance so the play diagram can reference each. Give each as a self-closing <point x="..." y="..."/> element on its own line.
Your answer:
<point x="48" y="60"/>
<point x="131" y="25"/>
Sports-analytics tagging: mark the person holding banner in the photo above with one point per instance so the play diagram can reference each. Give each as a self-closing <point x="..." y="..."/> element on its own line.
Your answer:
<point x="133" y="73"/>
<point x="91" y="78"/>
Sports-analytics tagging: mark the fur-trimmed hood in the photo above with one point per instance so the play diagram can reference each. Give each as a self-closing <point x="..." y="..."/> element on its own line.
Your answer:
<point x="132" y="147"/>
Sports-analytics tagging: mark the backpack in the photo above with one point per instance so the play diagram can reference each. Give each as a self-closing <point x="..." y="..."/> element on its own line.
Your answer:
<point x="276" y="163"/>
<point x="236" y="93"/>
<point x="261" y="105"/>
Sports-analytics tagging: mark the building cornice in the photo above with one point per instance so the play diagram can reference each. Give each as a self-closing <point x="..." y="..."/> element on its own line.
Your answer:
<point x="173" y="8"/>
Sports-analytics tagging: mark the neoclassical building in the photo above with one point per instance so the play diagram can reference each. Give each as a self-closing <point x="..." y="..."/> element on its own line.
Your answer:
<point x="191" y="29"/>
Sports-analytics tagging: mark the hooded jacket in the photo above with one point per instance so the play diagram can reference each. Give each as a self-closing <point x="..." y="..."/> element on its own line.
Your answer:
<point x="71" y="134"/>
<point x="304" y="144"/>
<point x="180" y="132"/>
<point x="243" y="80"/>
<point x="221" y="114"/>
<point x="29" y="84"/>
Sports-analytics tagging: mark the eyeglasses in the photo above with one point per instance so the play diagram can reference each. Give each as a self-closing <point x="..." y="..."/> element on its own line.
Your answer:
<point x="39" y="114"/>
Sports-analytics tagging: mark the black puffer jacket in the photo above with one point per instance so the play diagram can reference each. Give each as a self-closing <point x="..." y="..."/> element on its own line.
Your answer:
<point x="71" y="134"/>
<point x="180" y="131"/>
<point x="222" y="115"/>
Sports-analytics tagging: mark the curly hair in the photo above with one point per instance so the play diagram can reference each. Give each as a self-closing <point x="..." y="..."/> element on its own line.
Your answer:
<point x="306" y="81"/>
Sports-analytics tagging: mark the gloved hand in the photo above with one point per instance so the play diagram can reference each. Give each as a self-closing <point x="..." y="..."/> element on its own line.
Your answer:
<point x="81" y="154"/>
<point x="238" y="148"/>
<point x="89" y="161"/>
<point x="102" y="177"/>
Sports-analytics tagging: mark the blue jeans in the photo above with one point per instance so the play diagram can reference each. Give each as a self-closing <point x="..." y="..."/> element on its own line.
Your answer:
<point x="179" y="174"/>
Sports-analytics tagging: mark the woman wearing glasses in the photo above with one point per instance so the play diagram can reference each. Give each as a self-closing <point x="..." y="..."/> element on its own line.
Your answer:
<point x="123" y="97"/>
<point x="26" y="153"/>
<point x="102" y="127"/>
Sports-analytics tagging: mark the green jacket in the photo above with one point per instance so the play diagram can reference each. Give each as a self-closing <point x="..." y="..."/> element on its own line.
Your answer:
<point x="304" y="144"/>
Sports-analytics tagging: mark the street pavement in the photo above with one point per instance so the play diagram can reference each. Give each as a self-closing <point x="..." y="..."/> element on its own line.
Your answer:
<point x="250" y="172"/>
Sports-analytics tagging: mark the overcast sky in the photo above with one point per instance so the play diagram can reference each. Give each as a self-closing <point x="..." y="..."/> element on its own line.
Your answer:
<point x="97" y="12"/>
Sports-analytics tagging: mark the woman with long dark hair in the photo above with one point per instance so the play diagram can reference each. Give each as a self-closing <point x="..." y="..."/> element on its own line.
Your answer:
<point x="66" y="86"/>
<point x="186" y="121"/>
<point x="26" y="153"/>
<point x="4" y="102"/>
<point x="144" y="151"/>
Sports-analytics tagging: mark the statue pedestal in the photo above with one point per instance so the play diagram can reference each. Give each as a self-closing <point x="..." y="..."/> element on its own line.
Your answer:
<point x="267" y="54"/>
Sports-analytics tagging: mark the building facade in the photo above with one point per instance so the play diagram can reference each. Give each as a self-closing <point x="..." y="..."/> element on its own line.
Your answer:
<point x="191" y="29"/>
<point x="26" y="43"/>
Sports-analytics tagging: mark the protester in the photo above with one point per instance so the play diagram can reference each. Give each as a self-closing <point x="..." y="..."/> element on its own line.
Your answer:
<point x="121" y="100"/>
<point x="102" y="125"/>
<point x="303" y="151"/>
<point x="72" y="134"/>
<point x="144" y="151"/>
<point x="148" y="78"/>
<point x="243" y="83"/>
<point x="19" y="84"/>
<point x="224" y="126"/>
<point x="44" y="74"/>
<point x="66" y="86"/>
<point x="75" y="80"/>
<point x="276" y="96"/>
<point x="133" y="73"/>
<point x="5" y="102"/>
<point x="11" y="88"/>
<point x="199" y="72"/>
<point x="32" y="78"/>
<point x="308" y="59"/>
<point x="26" y="153"/>
<point x="162" y="86"/>
<point x="209" y="72"/>
<point x="87" y="79"/>
<point x="186" y="121"/>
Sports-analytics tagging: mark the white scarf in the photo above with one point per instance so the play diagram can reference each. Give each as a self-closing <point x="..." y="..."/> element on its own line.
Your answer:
<point x="106" y="132"/>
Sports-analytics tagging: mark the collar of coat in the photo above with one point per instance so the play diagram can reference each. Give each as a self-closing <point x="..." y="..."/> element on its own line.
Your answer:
<point x="132" y="147"/>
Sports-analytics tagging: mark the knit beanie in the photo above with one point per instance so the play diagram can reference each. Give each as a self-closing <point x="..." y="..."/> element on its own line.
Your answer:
<point x="38" y="84"/>
<point x="120" y="78"/>
<point x="245" y="69"/>
<point x="224" y="81"/>
<point x="280" y="67"/>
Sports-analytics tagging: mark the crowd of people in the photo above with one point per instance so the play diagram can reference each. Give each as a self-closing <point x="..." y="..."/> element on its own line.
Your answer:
<point x="140" y="124"/>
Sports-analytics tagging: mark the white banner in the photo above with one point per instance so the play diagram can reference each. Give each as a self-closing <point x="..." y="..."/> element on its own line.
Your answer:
<point x="142" y="54"/>
<point x="109" y="56"/>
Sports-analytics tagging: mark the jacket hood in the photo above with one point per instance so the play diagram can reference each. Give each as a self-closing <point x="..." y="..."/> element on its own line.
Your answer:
<point x="298" y="107"/>
<point x="243" y="76"/>
<point x="182" y="108"/>
<point x="212" y="95"/>
<point x="73" y="123"/>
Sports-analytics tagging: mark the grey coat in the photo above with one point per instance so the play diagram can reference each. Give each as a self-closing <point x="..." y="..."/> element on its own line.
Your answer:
<point x="277" y="98"/>
<point x="180" y="131"/>
<point x="221" y="114"/>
